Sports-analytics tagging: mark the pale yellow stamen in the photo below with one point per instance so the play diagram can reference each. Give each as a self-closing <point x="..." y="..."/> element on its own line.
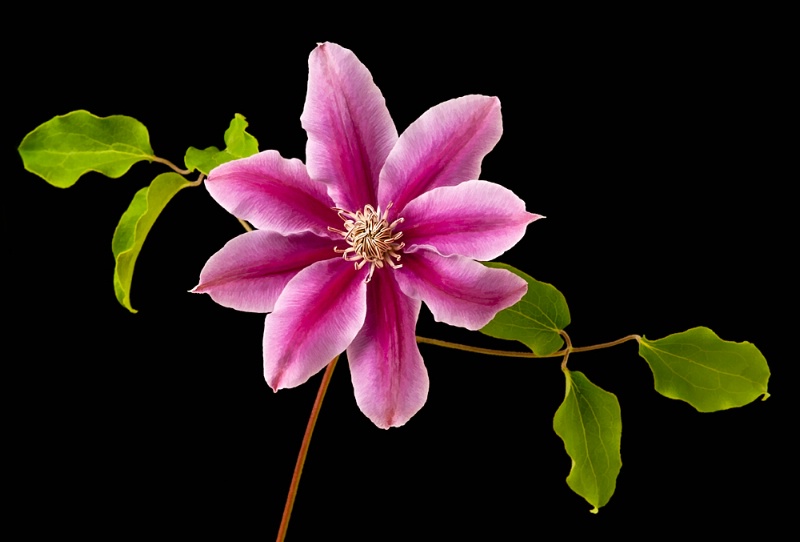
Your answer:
<point x="371" y="238"/>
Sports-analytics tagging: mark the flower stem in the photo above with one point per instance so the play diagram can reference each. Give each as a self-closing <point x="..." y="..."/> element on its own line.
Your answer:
<point x="507" y="354"/>
<point x="301" y="457"/>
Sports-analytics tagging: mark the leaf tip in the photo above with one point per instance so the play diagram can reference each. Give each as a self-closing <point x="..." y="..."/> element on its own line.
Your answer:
<point x="765" y="396"/>
<point x="594" y="510"/>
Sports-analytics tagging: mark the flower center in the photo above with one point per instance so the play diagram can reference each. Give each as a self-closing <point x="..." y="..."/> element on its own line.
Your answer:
<point x="371" y="238"/>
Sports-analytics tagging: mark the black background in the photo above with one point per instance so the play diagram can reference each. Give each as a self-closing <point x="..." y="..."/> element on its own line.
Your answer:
<point x="652" y="143"/>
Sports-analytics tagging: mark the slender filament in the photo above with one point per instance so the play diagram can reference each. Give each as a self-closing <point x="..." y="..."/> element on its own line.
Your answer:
<point x="371" y="237"/>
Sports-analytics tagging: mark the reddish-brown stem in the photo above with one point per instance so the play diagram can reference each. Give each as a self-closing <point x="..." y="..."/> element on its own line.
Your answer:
<point x="301" y="457"/>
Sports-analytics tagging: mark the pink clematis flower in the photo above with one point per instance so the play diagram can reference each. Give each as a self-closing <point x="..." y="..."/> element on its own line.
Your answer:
<point x="349" y="244"/>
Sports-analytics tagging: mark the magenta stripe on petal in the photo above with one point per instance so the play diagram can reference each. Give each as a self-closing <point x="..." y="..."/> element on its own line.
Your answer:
<point x="389" y="377"/>
<point x="477" y="219"/>
<point x="272" y="193"/>
<point x="459" y="291"/>
<point x="444" y="147"/>
<point x="350" y="131"/>
<point x="251" y="270"/>
<point x="315" y="318"/>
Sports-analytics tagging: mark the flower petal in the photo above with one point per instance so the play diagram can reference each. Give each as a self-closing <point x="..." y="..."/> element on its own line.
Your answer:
<point x="316" y="317"/>
<point x="444" y="147"/>
<point x="389" y="377"/>
<point x="457" y="290"/>
<point x="477" y="219"/>
<point x="251" y="270"/>
<point x="350" y="131"/>
<point x="272" y="193"/>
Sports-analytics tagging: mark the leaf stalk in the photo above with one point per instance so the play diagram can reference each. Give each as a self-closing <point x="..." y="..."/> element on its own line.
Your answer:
<point x="166" y="162"/>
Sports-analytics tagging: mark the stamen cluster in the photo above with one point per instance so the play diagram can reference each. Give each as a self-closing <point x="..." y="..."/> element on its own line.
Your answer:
<point x="371" y="238"/>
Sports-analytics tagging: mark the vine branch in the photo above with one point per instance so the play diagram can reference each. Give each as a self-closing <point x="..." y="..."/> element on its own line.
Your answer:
<point x="244" y="224"/>
<point x="199" y="180"/>
<point x="171" y="165"/>
<point x="510" y="354"/>
<point x="567" y="348"/>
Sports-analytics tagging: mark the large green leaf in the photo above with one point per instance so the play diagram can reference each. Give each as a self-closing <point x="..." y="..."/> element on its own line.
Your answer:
<point x="239" y="143"/>
<point x="135" y="224"/>
<point x="536" y="320"/>
<point x="65" y="147"/>
<point x="590" y="424"/>
<point x="710" y="374"/>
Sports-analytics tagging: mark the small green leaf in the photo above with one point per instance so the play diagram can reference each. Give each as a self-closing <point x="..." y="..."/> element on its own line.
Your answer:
<point x="590" y="424"/>
<point x="536" y="320"/>
<point x="135" y="224"/>
<point x="65" y="147"/>
<point x="239" y="143"/>
<point x="205" y="160"/>
<point x="710" y="374"/>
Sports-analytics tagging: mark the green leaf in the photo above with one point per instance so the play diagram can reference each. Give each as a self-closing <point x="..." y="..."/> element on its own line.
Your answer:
<point x="239" y="143"/>
<point x="590" y="424"/>
<point x="536" y="320"/>
<point x="710" y="374"/>
<point x="203" y="161"/>
<point x="135" y="224"/>
<point x="65" y="147"/>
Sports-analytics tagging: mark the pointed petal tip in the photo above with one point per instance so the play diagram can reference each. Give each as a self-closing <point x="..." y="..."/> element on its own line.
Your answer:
<point x="329" y="44"/>
<point x="277" y="382"/>
<point x="387" y="420"/>
<point x="273" y="384"/>
<point x="390" y="421"/>
<point x="386" y="426"/>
